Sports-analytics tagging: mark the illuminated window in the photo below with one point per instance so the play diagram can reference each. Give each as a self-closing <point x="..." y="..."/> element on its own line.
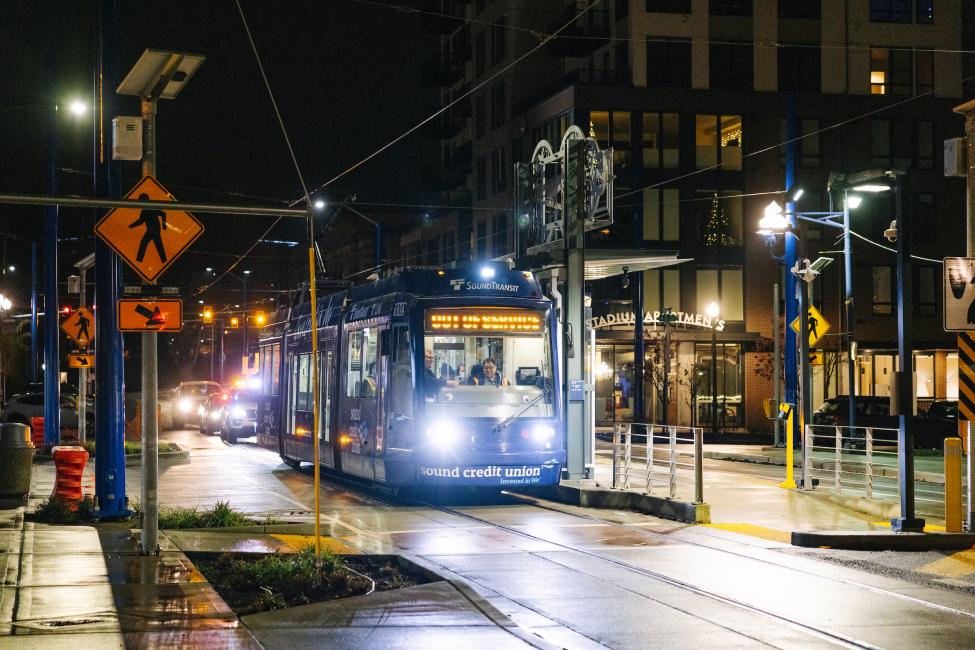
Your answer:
<point x="724" y="286"/>
<point x="882" y="291"/>
<point x="361" y="377"/>
<point x="892" y="71"/>
<point x="716" y="146"/>
<point x="661" y="289"/>
<point x="661" y="215"/>
<point x="613" y="129"/>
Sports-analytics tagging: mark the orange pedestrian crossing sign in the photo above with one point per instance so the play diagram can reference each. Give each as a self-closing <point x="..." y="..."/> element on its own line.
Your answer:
<point x="80" y="327"/>
<point x="81" y="360"/>
<point x="150" y="315"/>
<point x="817" y="324"/>
<point x="149" y="239"/>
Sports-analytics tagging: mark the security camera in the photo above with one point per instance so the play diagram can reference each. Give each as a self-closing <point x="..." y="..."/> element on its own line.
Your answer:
<point x="891" y="233"/>
<point x="626" y="277"/>
<point x="804" y="270"/>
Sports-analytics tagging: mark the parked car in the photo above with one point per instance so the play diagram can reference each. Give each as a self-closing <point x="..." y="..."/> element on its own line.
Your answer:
<point x="24" y="406"/>
<point x="239" y="415"/>
<point x="188" y="397"/>
<point x="945" y="412"/>
<point x="874" y="412"/>
<point x="210" y="413"/>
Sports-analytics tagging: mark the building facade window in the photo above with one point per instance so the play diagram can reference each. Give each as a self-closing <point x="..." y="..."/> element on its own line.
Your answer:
<point x="800" y="68"/>
<point x="480" y="117"/>
<point x="809" y="144"/>
<point x="449" y="247"/>
<point x="661" y="140"/>
<point x="668" y="62"/>
<point x="731" y="7"/>
<point x="800" y="9"/>
<point x="661" y="214"/>
<point x="902" y="11"/>
<point x="924" y="213"/>
<point x="901" y="71"/>
<point x="661" y="289"/>
<point x="718" y="145"/>
<point x="498" y="41"/>
<point x="480" y="54"/>
<point x="433" y="252"/>
<point x="498" y="106"/>
<point x="668" y="6"/>
<point x="480" y="170"/>
<point x="499" y="170"/>
<point x="720" y="218"/>
<point x="902" y="143"/>
<point x="613" y="129"/>
<point x="924" y="293"/>
<point x="499" y="231"/>
<point x="481" y="240"/>
<point x="464" y="249"/>
<point x="724" y="286"/>
<point x="882" y="290"/>
<point x="731" y="66"/>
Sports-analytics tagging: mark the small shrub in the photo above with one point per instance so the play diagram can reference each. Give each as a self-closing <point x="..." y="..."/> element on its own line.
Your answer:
<point x="57" y="511"/>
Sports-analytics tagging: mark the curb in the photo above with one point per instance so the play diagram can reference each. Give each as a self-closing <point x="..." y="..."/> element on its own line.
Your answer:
<point x="880" y="509"/>
<point x="691" y="513"/>
<point x="856" y="541"/>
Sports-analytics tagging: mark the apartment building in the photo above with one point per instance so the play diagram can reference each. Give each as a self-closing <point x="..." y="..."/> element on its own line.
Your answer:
<point x="692" y="96"/>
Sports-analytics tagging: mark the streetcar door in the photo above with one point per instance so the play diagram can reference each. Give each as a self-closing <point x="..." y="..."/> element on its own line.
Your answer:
<point x="382" y="376"/>
<point x="360" y="401"/>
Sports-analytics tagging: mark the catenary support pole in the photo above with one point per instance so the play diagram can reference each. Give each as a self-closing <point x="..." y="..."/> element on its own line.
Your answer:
<point x="792" y="310"/>
<point x="578" y="447"/>
<point x="908" y="521"/>
<point x="52" y="362"/>
<point x="639" y="350"/>
<point x="851" y="351"/>
<point x="82" y="373"/>
<point x="968" y="109"/>
<point x="150" y="375"/>
<point x="33" y="312"/>
<point x="109" y="370"/>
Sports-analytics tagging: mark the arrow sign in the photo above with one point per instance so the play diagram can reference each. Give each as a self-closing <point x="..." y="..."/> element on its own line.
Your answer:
<point x="80" y="327"/>
<point x="81" y="360"/>
<point x="150" y="315"/>
<point x="149" y="239"/>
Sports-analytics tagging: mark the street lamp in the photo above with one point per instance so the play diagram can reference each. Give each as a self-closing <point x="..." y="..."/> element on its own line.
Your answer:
<point x="712" y="311"/>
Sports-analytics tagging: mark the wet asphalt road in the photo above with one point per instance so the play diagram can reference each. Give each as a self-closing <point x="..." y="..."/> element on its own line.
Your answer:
<point x="580" y="578"/>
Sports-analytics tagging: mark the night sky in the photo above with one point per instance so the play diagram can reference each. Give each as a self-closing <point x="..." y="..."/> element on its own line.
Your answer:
<point x="346" y="76"/>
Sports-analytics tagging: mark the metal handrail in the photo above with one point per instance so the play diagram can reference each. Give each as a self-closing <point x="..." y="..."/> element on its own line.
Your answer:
<point x="655" y="463"/>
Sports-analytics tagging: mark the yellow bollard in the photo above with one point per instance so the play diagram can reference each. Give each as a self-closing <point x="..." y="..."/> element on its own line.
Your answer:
<point x="787" y="410"/>
<point x="953" y="485"/>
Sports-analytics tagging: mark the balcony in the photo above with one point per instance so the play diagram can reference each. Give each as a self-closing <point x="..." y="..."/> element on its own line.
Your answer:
<point x="584" y="36"/>
<point x="443" y="178"/>
<point x="438" y="71"/>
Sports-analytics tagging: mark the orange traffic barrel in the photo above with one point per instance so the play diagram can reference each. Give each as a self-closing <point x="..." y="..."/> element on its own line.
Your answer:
<point x="70" y="464"/>
<point x="37" y="432"/>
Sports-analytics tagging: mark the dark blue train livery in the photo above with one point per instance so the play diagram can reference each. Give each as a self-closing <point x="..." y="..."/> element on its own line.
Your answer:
<point x="443" y="377"/>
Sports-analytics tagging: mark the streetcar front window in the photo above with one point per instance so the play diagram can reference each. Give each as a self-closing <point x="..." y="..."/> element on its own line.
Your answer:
<point x="487" y="362"/>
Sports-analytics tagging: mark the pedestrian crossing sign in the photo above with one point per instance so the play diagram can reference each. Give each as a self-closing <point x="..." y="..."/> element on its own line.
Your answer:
<point x="817" y="323"/>
<point x="80" y="327"/>
<point x="148" y="238"/>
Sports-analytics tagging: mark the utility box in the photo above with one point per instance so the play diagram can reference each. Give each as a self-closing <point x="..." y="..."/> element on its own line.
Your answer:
<point x="127" y="138"/>
<point x="955" y="157"/>
<point x="74" y="284"/>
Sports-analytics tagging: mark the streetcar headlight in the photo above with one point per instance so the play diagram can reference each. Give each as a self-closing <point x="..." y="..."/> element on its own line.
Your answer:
<point x="443" y="433"/>
<point x="185" y="405"/>
<point x="543" y="433"/>
<point x="487" y="272"/>
<point x="237" y="412"/>
<point x="253" y="382"/>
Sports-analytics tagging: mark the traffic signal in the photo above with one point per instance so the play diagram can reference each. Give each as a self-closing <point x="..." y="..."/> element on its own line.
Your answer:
<point x="66" y="310"/>
<point x="234" y="322"/>
<point x="260" y="319"/>
<point x="207" y="314"/>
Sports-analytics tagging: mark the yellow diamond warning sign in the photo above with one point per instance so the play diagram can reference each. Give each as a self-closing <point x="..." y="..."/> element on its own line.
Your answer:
<point x="80" y="327"/>
<point x="817" y="323"/>
<point x="149" y="239"/>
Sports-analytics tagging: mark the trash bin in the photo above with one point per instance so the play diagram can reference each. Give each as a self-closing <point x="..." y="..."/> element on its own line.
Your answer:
<point x="16" y="458"/>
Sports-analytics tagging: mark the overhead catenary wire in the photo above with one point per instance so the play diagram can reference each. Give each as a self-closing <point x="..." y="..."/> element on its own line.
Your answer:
<point x="447" y="106"/>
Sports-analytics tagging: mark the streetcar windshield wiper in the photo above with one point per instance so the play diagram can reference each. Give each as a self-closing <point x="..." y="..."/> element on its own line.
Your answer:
<point x="509" y="420"/>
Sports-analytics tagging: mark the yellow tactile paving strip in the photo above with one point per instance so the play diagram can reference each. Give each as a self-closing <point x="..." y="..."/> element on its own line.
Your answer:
<point x="783" y="536"/>
<point x="330" y="544"/>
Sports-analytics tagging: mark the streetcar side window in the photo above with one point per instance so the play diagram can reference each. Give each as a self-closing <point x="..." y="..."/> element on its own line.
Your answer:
<point x="275" y="368"/>
<point x="361" y="370"/>
<point x="303" y="385"/>
<point x="401" y="376"/>
<point x="265" y="370"/>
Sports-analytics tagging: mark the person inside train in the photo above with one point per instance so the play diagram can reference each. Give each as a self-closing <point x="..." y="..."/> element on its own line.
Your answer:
<point x="369" y="383"/>
<point x="489" y="375"/>
<point x="431" y="383"/>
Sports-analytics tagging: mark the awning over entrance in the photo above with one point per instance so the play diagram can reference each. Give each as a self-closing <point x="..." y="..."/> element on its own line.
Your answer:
<point x="607" y="263"/>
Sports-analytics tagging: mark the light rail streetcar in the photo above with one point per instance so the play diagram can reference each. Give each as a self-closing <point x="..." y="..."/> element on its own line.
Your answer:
<point x="428" y="377"/>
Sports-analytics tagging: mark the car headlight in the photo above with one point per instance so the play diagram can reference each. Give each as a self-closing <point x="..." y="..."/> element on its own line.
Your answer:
<point x="237" y="412"/>
<point x="543" y="433"/>
<point x="185" y="405"/>
<point x="215" y="415"/>
<point x="443" y="433"/>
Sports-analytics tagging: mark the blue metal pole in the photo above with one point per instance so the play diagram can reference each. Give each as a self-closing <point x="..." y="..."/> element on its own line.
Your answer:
<point x="639" y="348"/>
<point x="850" y="313"/>
<point x="109" y="368"/>
<point x="791" y="254"/>
<point x="52" y="365"/>
<point x="33" y="312"/>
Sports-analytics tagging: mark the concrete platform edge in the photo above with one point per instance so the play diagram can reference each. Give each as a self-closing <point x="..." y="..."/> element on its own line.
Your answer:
<point x="691" y="513"/>
<point x="884" y="541"/>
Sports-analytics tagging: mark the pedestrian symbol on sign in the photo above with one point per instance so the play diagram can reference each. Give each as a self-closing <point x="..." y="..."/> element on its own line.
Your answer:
<point x="154" y="222"/>
<point x="959" y="312"/>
